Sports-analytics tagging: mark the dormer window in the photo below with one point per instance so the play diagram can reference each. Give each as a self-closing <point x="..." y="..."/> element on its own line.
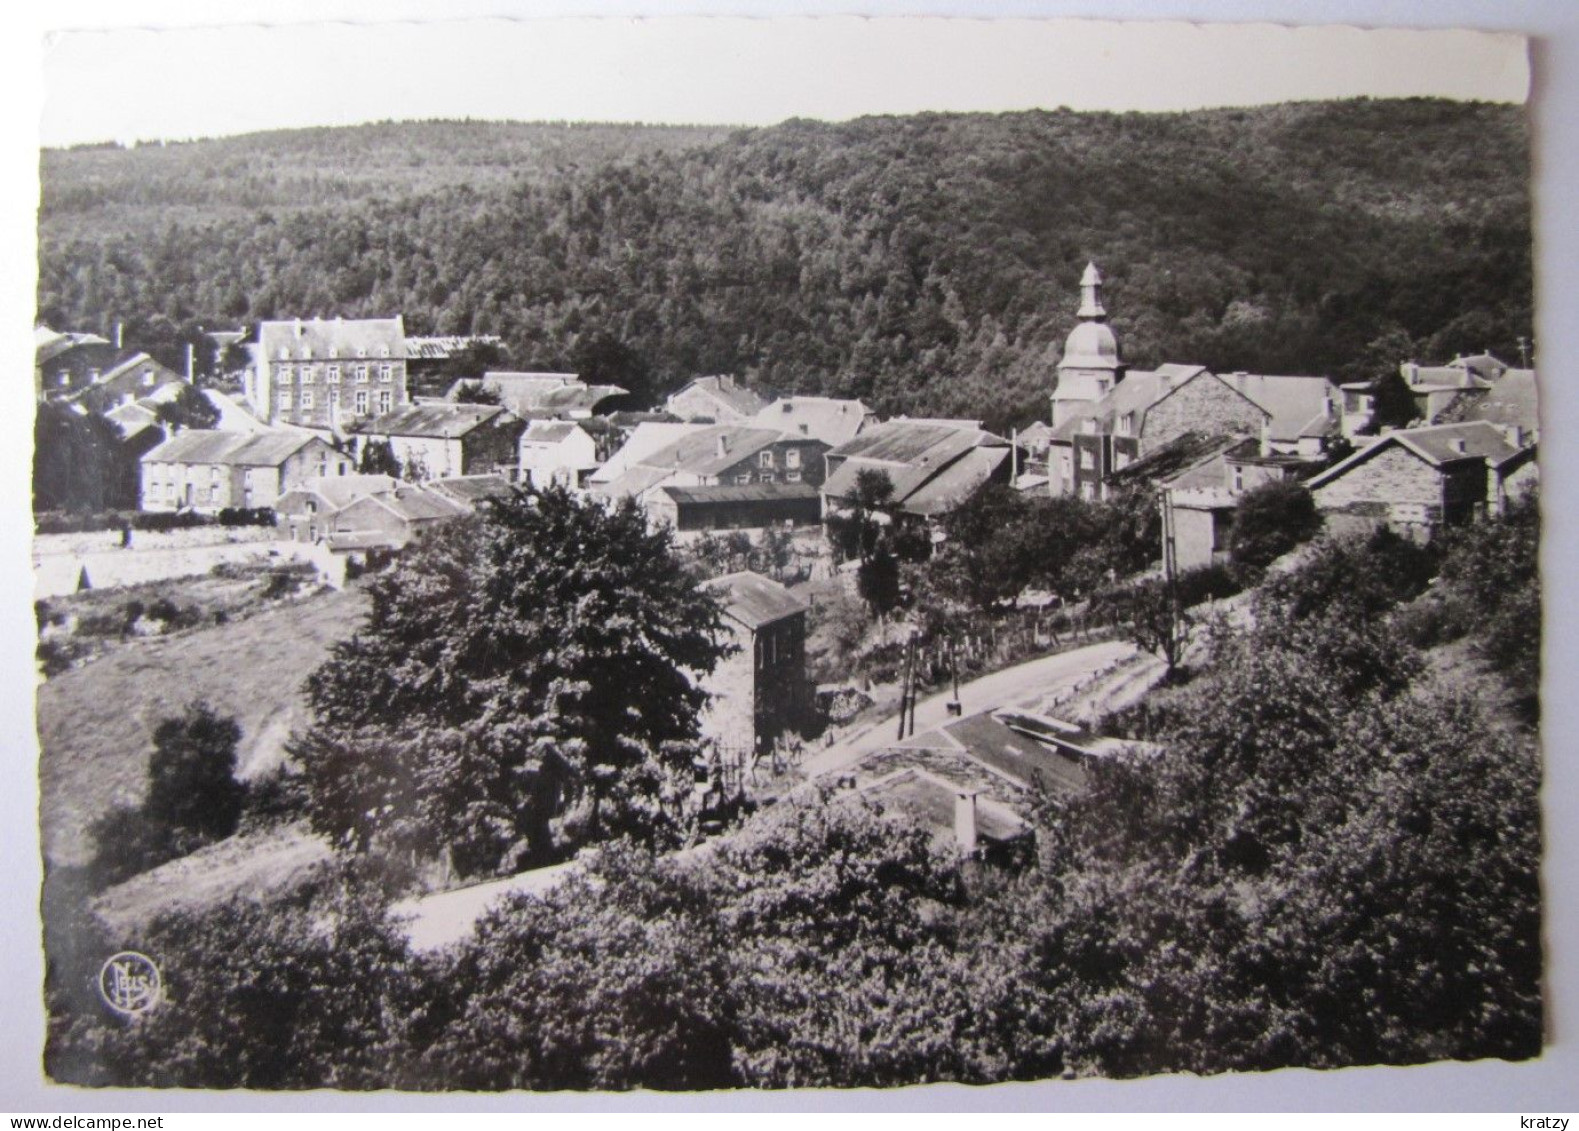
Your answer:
<point x="307" y="353"/>
<point x="334" y="352"/>
<point x="383" y="350"/>
<point x="148" y="378"/>
<point x="285" y="353"/>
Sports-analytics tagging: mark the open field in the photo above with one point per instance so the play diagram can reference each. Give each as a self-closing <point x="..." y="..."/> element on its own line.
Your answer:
<point x="96" y="723"/>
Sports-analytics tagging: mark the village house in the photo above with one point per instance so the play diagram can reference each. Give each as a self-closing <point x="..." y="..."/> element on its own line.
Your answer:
<point x="1510" y="404"/>
<point x="714" y="463"/>
<point x="760" y="692"/>
<point x="304" y="512"/>
<point x="131" y="377"/>
<point x="715" y="400"/>
<point x="822" y="418"/>
<point x="327" y="373"/>
<point x="557" y="452"/>
<point x="358" y="513"/>
<point x="436" y="440"/>
<point x="208" y="471"/>
<point x="1416" y="481"/>
<point x="1199" y="502"/>
<point x="429" y="356"/>
<point x="66" y="363"/>
<point x="470" y="490"/>
<point x="933" y="465"/>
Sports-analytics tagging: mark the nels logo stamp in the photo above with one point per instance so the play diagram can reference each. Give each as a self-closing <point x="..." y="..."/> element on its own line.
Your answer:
<point x="129" y="983"/>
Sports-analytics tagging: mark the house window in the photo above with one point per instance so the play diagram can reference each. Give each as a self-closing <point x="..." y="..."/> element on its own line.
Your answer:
<point x="792" y="476"/>
<point x="334" y="397"/>
<point x="361" y="401"/>
<point x="792" y="457"/>
<point x="285" y="398"/>
<point x="765" y="459"/>
<point x="743" y="478"/>
<point x="285" y="353"/>
<point x="307" y="375"/>
<point x="386" y="373"/>
<point x="385" y="400"/>
<point x="285" y="374"/>
<point x="334" y="375"/>
<point x="1239" y="479"/>
<point x="1120" y="459"/>
<point x="1086" y="460"/>
<point x="307" y="398"/>
<point x="148" y="378"/>
<point x="361" y="373"/>
<point x="383" y="350"/>
<point x="767" y="477"/>
<point x="334" y="352"/>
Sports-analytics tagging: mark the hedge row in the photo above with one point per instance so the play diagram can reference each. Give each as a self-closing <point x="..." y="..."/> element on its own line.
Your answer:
<point x="61" y="522"/>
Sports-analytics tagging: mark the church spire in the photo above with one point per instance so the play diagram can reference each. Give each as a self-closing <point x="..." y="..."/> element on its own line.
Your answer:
<point x="1091" y="308"/>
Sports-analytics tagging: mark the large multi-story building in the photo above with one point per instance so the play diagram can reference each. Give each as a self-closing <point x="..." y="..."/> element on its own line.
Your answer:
<point x="327" y="373"/>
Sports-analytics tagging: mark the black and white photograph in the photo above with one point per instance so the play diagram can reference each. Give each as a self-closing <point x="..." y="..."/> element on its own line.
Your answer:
<point x="703" y="554"/>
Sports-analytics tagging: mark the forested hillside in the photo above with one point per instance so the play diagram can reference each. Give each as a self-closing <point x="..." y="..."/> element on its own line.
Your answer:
<point x="926" y="263"/>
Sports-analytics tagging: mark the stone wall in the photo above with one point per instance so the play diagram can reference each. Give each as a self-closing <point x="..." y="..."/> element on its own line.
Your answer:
<point x="1395" y="475"/>
<point x="1204" y="404"/>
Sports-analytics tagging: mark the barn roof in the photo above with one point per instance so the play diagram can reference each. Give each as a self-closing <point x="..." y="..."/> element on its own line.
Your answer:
<point x="753" y="600"/>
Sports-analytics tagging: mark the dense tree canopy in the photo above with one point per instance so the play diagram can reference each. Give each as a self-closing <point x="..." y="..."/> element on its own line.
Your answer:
<point x="524" y="683"/>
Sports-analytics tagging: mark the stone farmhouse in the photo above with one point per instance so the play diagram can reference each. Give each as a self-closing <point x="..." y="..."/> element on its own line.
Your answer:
<point x="327" y="373"/>
<point x="65" y="362"/>
<point x="208" y="471"/>
<point x="1418" y="480"/>
<point x="133" y="376"/>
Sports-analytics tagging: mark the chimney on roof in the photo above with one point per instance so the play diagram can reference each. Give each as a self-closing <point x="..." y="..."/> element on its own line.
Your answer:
<point x="1266" y="436"/>
<point x="965" y="820"/>
<point x="1459" y="445"/>
<point x="723" y="445"/>
<point x="298" y="327"/>
<point x="119" y="328"/>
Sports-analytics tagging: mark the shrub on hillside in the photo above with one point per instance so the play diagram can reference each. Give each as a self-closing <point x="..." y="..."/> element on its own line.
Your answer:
<point x="1271" y="520"/>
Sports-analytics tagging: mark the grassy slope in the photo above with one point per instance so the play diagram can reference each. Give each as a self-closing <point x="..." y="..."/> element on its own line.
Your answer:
<point x="96" y="723"/>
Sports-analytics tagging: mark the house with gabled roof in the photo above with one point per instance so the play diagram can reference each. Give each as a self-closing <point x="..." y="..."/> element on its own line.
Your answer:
<point x="1418" y="480"/>
<point x="557" y="452"/>
<point x="208" y="471"/>
<point x="1511" y="404"/>
<point x="66" y="362"/>
<point x="720" y="455"/>
<point x="715" y="400"/>
<point x="436" y="439"/>
<point x="759" y="692"/>
<point x="132" y="376"/>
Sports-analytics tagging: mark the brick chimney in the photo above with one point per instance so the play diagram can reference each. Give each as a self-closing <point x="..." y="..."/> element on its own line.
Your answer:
<point x="723" y="445"/>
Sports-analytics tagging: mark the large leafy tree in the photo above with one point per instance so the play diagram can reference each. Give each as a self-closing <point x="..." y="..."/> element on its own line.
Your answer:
<point x="524" y="683"/>
<point x="1269" y="521"/>
<point x="188" y="409"/>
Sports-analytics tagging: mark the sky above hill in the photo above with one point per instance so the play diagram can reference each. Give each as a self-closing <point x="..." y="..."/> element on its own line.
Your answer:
<point x="136" y="83"/>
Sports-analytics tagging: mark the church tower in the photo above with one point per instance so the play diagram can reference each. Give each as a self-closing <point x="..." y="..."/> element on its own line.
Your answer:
<point x="1091" y="364"/>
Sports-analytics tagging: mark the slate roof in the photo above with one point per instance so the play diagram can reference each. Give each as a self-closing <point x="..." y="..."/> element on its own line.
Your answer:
<point x="437" y="348"/>
<point x="436" y="421"/>
<point x="931" y="464"/>
<point x="338" y="491"/>
<point x="269" y="449"/>
<point x="822" y="418"/>
<point x="753" y="600"/>
<point x="471" y="489"/>
<point x="697" y="451"/>
<point x="1179" y="457"/>
<point x="646" y="438"/>
<point x="548" y="431"/>
<point x="417" y="504"/>
<point x="741" y="493"/>
<point x="347" y="338"/>
<point x="49" y="344"/>
<point x="132" y="418"/>
<point x="1511" y="402"/>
